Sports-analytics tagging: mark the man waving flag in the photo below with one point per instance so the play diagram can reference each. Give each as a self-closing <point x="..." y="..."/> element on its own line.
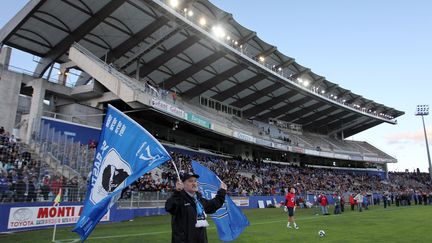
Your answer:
<point x="229" y="219"/>
<point x="125" y="152"/>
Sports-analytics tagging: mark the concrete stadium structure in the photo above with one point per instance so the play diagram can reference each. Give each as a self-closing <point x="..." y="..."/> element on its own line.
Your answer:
<point x="190" y="74"/>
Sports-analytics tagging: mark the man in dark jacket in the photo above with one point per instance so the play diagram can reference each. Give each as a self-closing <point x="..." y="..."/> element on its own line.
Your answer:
<point x="188" y="209"/>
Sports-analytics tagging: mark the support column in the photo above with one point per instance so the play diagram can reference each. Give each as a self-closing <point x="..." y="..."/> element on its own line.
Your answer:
<point x="5" y="55"/>
<point x="138" y="68"/>
<point x="62" y="75"/>
<point x="10" y="85"/>
<point x="36" y="108"/>
<point x="386" y="171"/>
<point x="64" y="72"/>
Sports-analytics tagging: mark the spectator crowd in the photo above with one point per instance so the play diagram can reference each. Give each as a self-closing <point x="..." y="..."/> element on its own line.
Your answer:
<point x="26" y="179"/>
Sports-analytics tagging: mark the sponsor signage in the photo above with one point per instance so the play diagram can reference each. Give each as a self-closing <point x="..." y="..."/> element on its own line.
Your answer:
<point x="244" y="137"/>
<point x="297" y="149"/>
<point x="365" y="158"/>
<point x="198" y="120"/>
<point x="326" y="154"/>
<point x="264" y="142"/>
<point x="280" y="146"/>
<point x="356" y="157"/>
<point x="241" y="201"/>
<point x="163" y="106"/>
<point x="311" y="152"/>
<point x="341" y="156"/>
<point x="222" y="129"/>
<point x="27" y="217"/>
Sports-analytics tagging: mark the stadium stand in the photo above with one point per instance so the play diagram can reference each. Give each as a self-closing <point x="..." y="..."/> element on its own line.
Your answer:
<point x="237" y="104"/>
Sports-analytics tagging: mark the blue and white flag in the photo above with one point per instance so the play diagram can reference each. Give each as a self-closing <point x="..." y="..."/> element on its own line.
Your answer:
<point x="229" y="219"/>
<point x="125" y="152"/>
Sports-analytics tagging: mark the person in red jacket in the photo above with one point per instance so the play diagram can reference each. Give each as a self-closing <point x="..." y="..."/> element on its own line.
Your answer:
<point x="342" y="203"/>
<point x="290" y="208"/>
<point x="352" y="201"/>
<point x="324" y="204"/>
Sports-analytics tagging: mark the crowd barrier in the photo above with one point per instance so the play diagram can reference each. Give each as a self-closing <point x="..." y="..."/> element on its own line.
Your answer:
<point x="33" y="216"/>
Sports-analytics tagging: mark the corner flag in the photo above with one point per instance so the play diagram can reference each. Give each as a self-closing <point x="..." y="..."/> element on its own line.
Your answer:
<point x="125" y="152"/>
<point x="229" y="219"/>
<point x="57" y="199"/>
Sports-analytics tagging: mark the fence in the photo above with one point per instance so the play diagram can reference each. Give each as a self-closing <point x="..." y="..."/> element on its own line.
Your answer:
<point x="63" y="148"/>
<point x="140" y="199"/>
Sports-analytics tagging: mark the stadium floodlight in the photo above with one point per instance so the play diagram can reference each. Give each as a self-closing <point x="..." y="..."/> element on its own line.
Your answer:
<point x="306" y="83"/>
<point x="190" y="13"/>
<point x="174" y="3"/>
<point x="202" y="21"/>
<point x="261" y="59"/>
<point x="218" y="31"/>
<point x="423" y="110"/>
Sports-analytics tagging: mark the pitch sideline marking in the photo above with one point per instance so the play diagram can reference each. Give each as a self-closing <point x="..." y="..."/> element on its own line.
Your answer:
<point x="210" y="228"/>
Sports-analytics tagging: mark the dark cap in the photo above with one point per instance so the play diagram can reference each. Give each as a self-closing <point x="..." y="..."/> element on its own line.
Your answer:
<point x="187" y="175"/>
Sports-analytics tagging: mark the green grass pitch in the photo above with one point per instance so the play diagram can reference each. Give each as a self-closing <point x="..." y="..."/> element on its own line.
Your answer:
<point x="394" y="224"/>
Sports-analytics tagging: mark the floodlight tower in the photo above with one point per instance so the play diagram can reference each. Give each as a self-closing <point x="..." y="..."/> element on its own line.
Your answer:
<point x="423" y="110"/>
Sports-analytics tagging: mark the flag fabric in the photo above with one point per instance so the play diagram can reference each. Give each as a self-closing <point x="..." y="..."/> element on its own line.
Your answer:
<point x="229" y="219"/>
<point x="57" y="199"/>
<point x="124" y="153"/>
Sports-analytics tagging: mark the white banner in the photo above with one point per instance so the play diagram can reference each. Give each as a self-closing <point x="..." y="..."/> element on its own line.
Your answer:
<point x="241" y="201"/>
<point x="311" y="152"/>
<point x="297" y="149"/>
<point x="280" y="146"/>
<point x="326" y="154"/>
<point x="341" y="156"/>
<point x="160" y="105"/>
<point x="365" y="158"/>
<point x="244" y="137"/>
<point x="27" y="217"/>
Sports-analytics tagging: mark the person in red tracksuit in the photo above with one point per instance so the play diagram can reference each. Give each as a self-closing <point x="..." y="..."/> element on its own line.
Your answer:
<point x="324" y="204"/>
<point x="352" y="201"/>
<point x="290" y="207"/>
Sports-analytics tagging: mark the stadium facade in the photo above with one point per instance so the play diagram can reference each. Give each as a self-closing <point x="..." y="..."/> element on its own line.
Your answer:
<point x="190" y="74"/>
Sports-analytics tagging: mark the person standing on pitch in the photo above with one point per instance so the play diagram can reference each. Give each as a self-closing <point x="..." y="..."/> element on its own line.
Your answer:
<point x="359" y="199"/>
<point x="290" y="205"/>
<point x="188" y="209"/>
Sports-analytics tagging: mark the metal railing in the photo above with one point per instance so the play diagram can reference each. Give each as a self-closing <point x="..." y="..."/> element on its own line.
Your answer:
<point x="143" y="199"/>
<point x="67" y="152"/>
<point x="36" y="75"/>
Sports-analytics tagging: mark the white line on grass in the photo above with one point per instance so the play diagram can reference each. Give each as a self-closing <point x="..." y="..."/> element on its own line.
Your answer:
<point x="212" y="227"/>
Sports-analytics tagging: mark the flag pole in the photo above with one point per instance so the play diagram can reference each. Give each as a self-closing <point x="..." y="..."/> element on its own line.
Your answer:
<point x="55" y="225"/>
<point x="175" y="167"/>
<point x="57" y="200"/>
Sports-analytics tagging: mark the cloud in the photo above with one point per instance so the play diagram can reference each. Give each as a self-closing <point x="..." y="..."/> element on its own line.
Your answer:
<point x="408" y="138"/>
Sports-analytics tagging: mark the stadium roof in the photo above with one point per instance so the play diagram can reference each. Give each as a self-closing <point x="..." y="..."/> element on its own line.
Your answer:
<point x="195" y="48"/>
